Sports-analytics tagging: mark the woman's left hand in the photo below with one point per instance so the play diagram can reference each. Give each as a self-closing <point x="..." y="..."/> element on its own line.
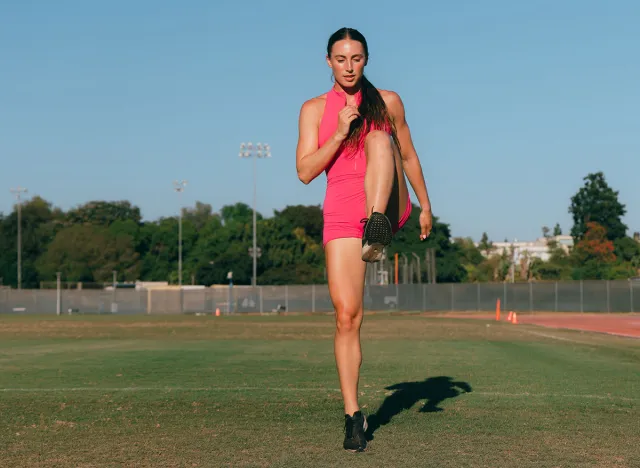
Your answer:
<point x="426" y="223"/>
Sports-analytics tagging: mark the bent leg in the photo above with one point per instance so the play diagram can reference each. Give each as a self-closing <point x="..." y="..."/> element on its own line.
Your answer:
<point x="384" y="183"/>
<point x="385" y="192"/>
<point x="346" y="272"/>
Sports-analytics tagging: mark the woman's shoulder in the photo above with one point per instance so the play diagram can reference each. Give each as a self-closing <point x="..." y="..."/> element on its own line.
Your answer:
<point x="390" y="97"/>
<point x="393" y="101"/>
<point x="315" y="102"/>
<point x="313" y="107"/>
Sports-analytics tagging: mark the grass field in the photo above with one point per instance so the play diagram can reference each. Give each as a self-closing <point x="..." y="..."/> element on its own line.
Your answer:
<point x="263" y="391"/>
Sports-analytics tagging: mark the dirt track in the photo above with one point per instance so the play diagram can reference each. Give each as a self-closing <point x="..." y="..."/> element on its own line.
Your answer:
<point x="616" y="324"/>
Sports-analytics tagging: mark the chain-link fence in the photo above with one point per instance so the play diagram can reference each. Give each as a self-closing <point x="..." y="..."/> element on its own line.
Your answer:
<point x="573" y="296"/>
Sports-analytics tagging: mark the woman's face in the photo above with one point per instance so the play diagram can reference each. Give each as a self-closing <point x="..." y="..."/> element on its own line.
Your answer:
<point x="347" y="61"/>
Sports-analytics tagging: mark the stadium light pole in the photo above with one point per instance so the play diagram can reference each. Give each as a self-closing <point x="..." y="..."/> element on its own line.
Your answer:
<point x="247" y="150"/>
<point x="179" y="186"/>
<point x="18" y="191"/>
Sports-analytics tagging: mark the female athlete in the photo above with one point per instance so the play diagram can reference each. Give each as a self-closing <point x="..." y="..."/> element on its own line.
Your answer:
<point x="359" y="136"/>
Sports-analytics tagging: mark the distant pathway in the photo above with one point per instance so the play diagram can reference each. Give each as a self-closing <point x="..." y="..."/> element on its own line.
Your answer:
<point x="616" y="324"/>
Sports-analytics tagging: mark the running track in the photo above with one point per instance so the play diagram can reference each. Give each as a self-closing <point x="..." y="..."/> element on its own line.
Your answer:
<point x="616" y="324"/>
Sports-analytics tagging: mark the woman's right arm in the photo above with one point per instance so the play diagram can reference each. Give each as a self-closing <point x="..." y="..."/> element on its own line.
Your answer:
<point x="311" y="160"/>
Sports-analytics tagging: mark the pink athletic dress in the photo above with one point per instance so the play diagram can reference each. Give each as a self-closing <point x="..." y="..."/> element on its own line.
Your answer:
<point x="345" y="203"/>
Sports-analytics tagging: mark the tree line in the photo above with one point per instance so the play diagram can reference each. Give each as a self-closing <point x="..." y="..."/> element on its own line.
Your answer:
<point x="89" y="242"/>
<point x="601" y="247"/>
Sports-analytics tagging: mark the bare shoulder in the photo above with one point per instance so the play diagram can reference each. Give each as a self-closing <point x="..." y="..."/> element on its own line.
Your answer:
<point x="392" y="100"/>
<point x="314" y="106"/>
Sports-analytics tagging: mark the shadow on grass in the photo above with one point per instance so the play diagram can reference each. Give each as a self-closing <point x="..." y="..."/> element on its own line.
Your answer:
<point x="434" y="390"/>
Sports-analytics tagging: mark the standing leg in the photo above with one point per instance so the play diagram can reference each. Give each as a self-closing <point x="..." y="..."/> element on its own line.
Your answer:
<point x="346" y="272"/>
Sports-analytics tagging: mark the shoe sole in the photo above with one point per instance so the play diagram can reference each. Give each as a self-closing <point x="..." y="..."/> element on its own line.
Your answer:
<point x="372" y="252"/>
<point x="377" y="235"/>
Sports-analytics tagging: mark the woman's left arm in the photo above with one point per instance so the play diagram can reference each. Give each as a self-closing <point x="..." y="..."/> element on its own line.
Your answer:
<point x="410" y="160"/>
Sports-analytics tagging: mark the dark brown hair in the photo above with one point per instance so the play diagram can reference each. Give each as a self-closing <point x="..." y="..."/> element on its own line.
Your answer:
<point x="372" y="108"/>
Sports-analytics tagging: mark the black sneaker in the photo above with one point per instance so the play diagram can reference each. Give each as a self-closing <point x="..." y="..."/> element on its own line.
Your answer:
<point x="377" y="235"/>
<point x="354" y="432"/>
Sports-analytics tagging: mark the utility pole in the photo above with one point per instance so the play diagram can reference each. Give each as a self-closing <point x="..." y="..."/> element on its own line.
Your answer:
<point x="415" y="255"/>
<point x="18" y="191"/>
<point x="261" y="150"/>
<point x="179" y="186"/>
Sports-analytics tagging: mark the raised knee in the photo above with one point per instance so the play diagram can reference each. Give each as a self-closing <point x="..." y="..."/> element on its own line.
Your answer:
<point x="377" y="139"/>
<point x="348" y="318"/>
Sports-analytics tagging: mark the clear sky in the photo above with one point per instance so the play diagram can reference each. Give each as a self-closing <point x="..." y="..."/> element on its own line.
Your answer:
<point x="511" y="103"/>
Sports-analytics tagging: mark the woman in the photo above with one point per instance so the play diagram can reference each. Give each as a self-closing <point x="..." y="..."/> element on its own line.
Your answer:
<point x="359" y="136"/>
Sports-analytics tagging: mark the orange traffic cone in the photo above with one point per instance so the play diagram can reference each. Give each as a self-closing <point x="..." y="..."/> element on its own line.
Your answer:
<point x="515" y="318"/>
<point x="217" y="312"/>
<point x="510" y="316"/>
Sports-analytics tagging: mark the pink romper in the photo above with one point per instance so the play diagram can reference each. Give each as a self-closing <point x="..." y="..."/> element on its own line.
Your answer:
<point x="345" y="203"/>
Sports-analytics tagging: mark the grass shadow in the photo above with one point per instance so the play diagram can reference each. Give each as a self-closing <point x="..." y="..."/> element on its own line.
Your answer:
<point x="406" y="394"/>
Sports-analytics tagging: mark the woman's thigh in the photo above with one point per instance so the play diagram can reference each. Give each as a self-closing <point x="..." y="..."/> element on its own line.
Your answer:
<point x="346" y="273"/>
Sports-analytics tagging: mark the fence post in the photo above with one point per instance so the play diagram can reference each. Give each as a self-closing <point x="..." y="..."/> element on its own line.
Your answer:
<point x="556" y="296"/>
<point x="261" y="309"/>
<point x="530" y="296"/>
<point x="581" y="297"/>
<point x="631" y="295"/>
<point x="313" y="298"/>
<point x="504" y="294"/>
<point x="114" y="307"/>
<point x="452" y="295"/>
<point x="478" y="298"/>
<point x="58" y="294"/>
<point x="608" y="297"/>
<point x="424" y="297"/>
<point x="286" y="297"/>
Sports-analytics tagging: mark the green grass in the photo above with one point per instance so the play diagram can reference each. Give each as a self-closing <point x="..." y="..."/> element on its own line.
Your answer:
<point x="263" y="391"/>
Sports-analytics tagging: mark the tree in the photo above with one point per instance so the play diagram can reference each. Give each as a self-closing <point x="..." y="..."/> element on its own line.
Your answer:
<point x="103" y="213"/>
<point x="161" y="261"/>
<point x="557" y="230"/>
<point x="485" y="244"/>
<point x="594" y="253"/>
<point x="597" y="202"/>
<point x="199" y="215"/>
<point x="595" y="245"/>
<point x="545" y="232"/>
<point x="238" y="213"/>
<point x="89" y="241"/>
<point x="40" y="222"/>
<point x="307" y="217"/>
<point x="628" y="251"/>
<point x="89" y="253"/>
<point x="221" y="248"/>
<point x="549" y="271"/>
<point x="525" y="265"/>
<point x="469" y="253"/>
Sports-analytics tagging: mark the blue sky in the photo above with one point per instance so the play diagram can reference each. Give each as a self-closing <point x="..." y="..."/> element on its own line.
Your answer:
<point x="511" y="104"/>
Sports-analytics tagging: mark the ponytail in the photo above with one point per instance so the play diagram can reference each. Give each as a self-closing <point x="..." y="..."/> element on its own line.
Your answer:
<point x="374" y="115"/>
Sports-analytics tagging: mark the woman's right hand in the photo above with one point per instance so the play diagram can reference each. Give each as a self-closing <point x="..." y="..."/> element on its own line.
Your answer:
<point x="347" y="115"/>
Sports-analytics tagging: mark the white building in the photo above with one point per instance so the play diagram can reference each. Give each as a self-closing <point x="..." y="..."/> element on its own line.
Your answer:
<point x="534" y="249"/>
